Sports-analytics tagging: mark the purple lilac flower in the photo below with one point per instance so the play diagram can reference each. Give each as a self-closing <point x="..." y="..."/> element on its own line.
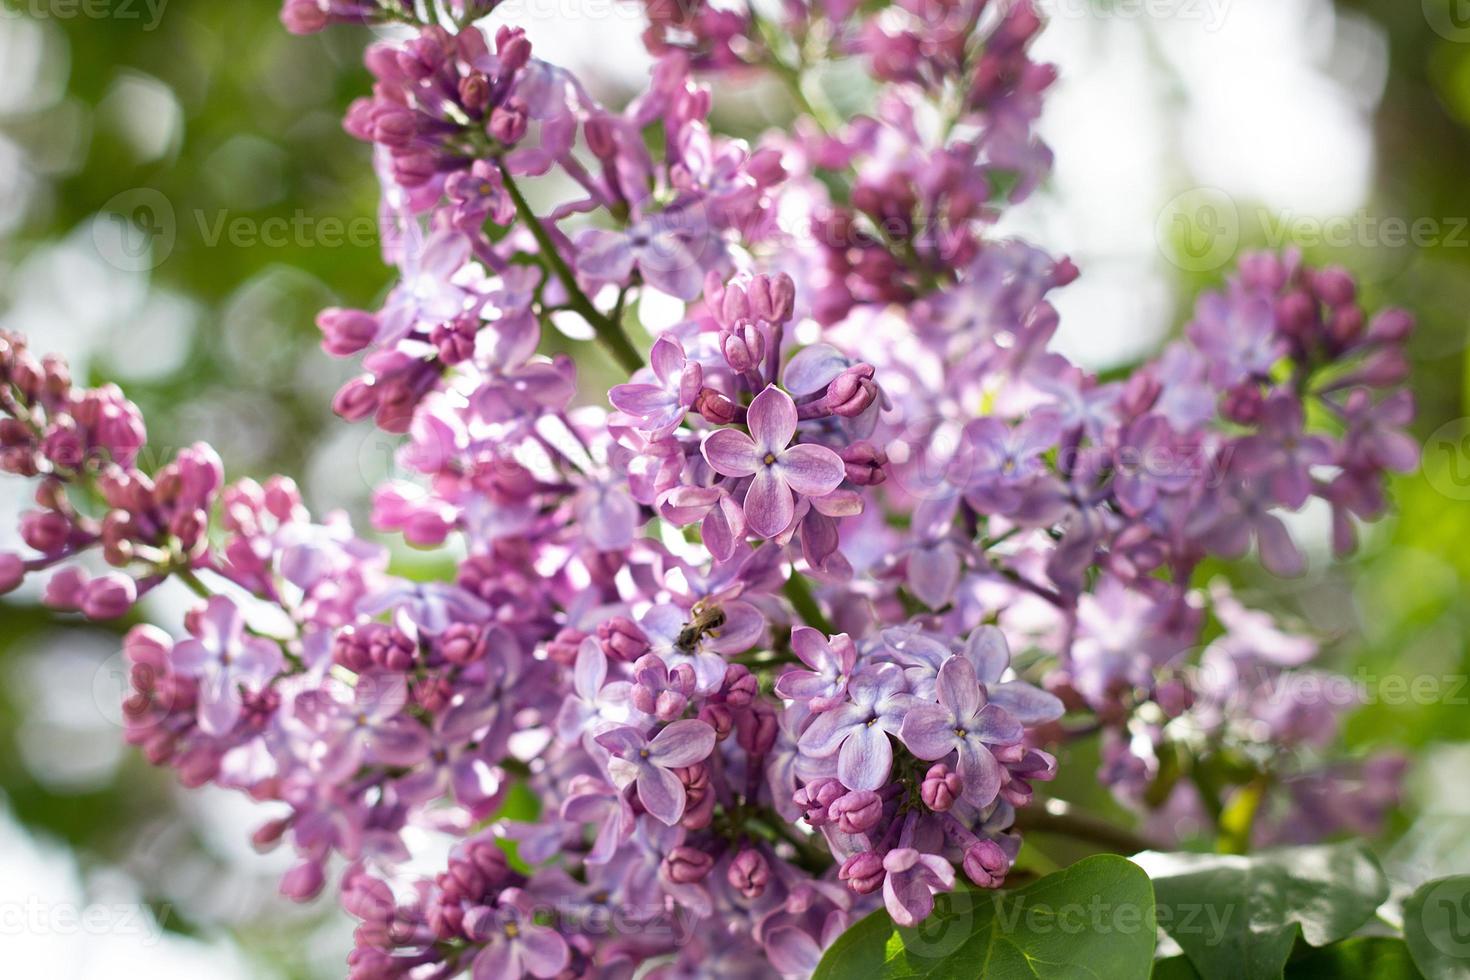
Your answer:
<point x="777" y="469"/>
<point x="648" y="763"/>
<point x="225" y="660"/>
<point x="964" y="723"/>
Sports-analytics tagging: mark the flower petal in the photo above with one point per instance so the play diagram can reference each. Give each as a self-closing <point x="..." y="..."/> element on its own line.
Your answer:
<point x="682" y="744"/>
<point x="957" y="688"/>
<point x="1027" y="704"/>
<point x="772" y="420"/>
<point x="731" y="452"/>
<point x="929" y="731"/>
<point x="769" y="506"/>
<point x="865" y="759"/>
<point x="662" y="794"/>
<point x="811" y="470"/>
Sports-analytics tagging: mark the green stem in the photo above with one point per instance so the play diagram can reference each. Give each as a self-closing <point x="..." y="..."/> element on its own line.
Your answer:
<point x="805" y="604"/>
<point x="1057" y="817"/>
<point x="609" y="332"/>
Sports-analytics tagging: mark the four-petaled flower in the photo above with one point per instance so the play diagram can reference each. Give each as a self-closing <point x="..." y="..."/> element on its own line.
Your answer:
<point x="658" y="409"/>
<point x="777" y="469"/>
<point x="962" y="722"/>
<point x="831" y="660"/>
<point x="649" y="763"/>
<point x="224" y="658"/>
<point x="858" y="731"/>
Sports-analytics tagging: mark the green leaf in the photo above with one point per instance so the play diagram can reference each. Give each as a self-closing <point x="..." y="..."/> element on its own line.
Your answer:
<point x="1094" y="919"/>
<point x="1367" y="957"/>
<point x="1237" y="917"/>
<point x="1174" y="968"/>
<point x="1437" y="928"/>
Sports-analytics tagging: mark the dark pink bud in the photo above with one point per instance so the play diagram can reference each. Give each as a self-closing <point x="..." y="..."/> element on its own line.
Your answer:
<point x="863" y="872"/>
<point x="1391" y="326"/>
<point x="508" y="123"/>
<point x="474" y="93"/>
<point x="715" y="407"/>
<point x="756" y="729"/>
<point x="600" y="141"/>
<point x="783" y="298"/>
<point x="864" y="464"/>
<point x="720" y="718"/>
<point x="815" y="797"/>
<point x="687" y="865"/>
<point x="749" y="873"/>
<point x="852" y="391"/>
<point x="12" y="571"/>
<point x="940" y="788"/>
<point x="564" y="646"/>
<point x="741" y="687"/>
<point x="669" y="705"/>
<point x="856" y="812"/>
<point x="1334" y="286"/>
<point x="462" y="643"/>
<point x="356" y="400"/>
<point x="45" y="530"/>
<point x="735" y="306"/>
<point x="622" y="639"/>
<point x="303" y="882"/>
<point x="345" y="332"/>
<point x="109" y="596"/>
<point x="268" y="835"/>
<point x="986" y="864"/>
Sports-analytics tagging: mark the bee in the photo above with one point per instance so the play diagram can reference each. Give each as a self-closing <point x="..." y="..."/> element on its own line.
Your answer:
<point x="703" y="619"/>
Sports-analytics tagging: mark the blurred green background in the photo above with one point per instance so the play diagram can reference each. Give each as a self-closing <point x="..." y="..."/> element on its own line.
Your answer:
<point x="177" y="200"/>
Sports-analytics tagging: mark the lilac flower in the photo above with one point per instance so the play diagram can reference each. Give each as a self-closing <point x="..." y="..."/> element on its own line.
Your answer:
<point x="671" y="249"/>
<point x="659" y="408"/>
<point x="965" y="723"/>
<point x="514" y="945"/>
<point x="777" y="469"/>
<point x="1281" y="453"/>
<point x="857" y="732"/>
<point x="831" y="660"/>
<point x="913" y="880"/>
<point x="224" y="659"/>
<point x="370" y="729"/>
<point x="649" y="763"/>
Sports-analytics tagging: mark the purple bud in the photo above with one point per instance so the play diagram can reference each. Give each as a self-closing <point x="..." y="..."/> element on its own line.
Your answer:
<point x="720" y="718"/>
<point x="852" y="391"/>
<point x="1391" y="326"/>
<point x="109" y="596"/>
<point x="356" y="400"/>
<point x="45" y="530"/>
<point x="748" y="873"/>
<point x="1334" y="286"/>
<point x="863" y="463"/>
<point x="687" y="865"/>
<point x="715" y="408"/>
<point x="863" y="872"/>
<point x="462" y="643"/>
<point x="508" y="123"/>
<point x="564" y="646"/>
<point x="815" y="797"/>
<point x="857" y="812"/>
<point x="303" y="16"/>
<point x="741" y="687"/>
<point x="622" y="639"/>
<point x="743" y="345"/>
<point x="940" y="788"/>
<point x="12" y="571"/>
<point x="783" y="298"/>
<point x="756" y="729"/>
<point x="986" y="864"/>
<point x="734" y="306"/>
<point x="303" y="882"/>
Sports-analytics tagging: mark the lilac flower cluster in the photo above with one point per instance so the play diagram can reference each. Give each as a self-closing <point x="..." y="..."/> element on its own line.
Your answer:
<point x="745" y="635"/>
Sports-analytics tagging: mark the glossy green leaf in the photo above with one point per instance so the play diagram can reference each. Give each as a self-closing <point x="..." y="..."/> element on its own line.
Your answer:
<point x="1437" y="928"/>
<point x="1366" y="957"/>
<point x="1238" y="917"/>
<point x="1094" y="919"/>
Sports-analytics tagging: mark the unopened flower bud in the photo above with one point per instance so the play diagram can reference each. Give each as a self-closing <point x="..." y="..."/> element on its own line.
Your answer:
<point x="748" y="873"/>
<point x="714" y="407"/>
<point x="856" y="812"/>
<point x="687" y="865"/>
<point x="852" y="391"/>
<point x="986" y="864"/>
<point x="863" y="872"/>
<point x="815" y="797"/>
<point x="622" y="639"/>
<point x="864" y="463"/>
<point x="940" y="788"/>
<point x="109" y="596"/>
